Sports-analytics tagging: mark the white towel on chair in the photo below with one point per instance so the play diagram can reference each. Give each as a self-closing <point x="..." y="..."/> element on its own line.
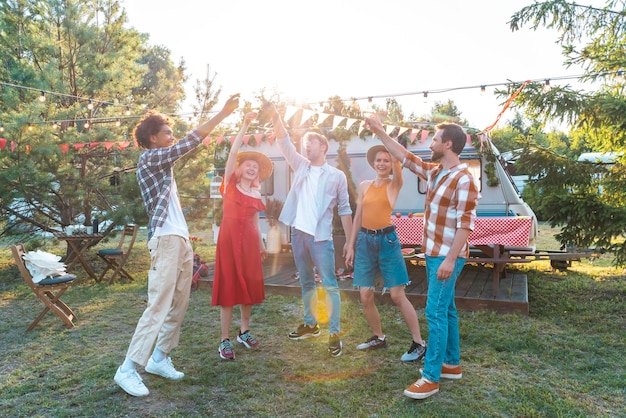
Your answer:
<point x="41" y="264"/>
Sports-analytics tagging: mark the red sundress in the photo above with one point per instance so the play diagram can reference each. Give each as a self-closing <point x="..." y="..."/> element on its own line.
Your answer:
<point x="238" y="277"/>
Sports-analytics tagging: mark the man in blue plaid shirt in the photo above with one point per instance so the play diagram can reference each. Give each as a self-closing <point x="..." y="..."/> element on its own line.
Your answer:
<point x="171" y="255"/>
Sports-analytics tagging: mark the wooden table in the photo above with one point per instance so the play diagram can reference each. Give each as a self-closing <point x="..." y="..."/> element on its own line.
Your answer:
<point x="77" y="245"/>
<point x="491" y="235"/>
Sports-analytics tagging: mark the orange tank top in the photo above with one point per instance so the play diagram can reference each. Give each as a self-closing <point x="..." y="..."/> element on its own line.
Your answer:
<point x="375" y="208"/>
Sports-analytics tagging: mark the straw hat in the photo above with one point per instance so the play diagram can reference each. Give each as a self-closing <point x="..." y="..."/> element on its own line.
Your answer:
<point x="371" y="153"/>
<point x="265" y="165"/>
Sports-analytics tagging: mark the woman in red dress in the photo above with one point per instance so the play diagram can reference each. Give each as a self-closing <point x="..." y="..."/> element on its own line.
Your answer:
<point x="238" y="277"/>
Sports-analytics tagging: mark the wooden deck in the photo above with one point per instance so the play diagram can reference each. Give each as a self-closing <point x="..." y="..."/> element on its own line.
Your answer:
<point x="474" y="289"/>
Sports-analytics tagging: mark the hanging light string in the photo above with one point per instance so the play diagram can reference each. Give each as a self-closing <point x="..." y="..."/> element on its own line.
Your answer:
<point x="116" y="119"/>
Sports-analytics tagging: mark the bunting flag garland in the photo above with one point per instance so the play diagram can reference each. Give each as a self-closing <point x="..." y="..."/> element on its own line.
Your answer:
<point x="290" y="111"/>
<point x="506" y="106"/>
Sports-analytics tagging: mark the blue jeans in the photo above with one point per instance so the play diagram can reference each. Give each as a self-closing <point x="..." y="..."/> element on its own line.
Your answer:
<point x="443" y="321"/>
<point x="321" y="254"/>
<point x="379" y="252"/>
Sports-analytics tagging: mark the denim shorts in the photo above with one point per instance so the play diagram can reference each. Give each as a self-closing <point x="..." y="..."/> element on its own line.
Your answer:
<point x="376" y="253"/>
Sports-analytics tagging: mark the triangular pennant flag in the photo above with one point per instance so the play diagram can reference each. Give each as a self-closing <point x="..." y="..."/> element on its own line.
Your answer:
<point x="246" y="139"/>
<point x="469" y="140"/>
<point x="350" y="122"/>
<point x="424" y="135"/>
<point x="78" y="146"/>
<point x="290" y="111"/>
<point x="3" y="143"/>
<point x="123" y="145"/>
<point x="413" y="135"/>
<point x="322" y="117"/>
<point x="13" y="146"/>
<point x="258" y="138"/>
<point x="93" y="144"/>
<point x="206" y="141"/>
<point x="361" y="127"/>
<point x="306" y="115"/>
<point x="337" y="121"/>
<point x="402" y="131"/>
<point x="108" y="145"/>
<point x="219" y="140"/>
<point x="64" y="148"/>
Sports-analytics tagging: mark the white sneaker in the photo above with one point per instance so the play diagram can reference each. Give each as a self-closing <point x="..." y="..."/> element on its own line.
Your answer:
<point x="131" y="382"/>
<point x="164" y="368"/>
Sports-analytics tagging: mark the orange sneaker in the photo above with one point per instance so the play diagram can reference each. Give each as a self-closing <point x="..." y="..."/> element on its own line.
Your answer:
<point x="453" y="372"/>
<point x="422" y="389"/>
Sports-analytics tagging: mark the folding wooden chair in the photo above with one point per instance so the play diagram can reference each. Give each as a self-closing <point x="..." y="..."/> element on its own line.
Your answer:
<point x="49" y="290"/>
<point x="115" y="258"/>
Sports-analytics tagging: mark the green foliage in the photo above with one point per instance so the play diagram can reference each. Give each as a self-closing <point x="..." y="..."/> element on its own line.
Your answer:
<point x="75" y="50"/>
<point x="586" y="199"/>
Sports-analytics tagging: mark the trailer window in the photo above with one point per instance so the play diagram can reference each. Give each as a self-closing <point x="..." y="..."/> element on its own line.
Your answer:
<point x="474" y="167"/>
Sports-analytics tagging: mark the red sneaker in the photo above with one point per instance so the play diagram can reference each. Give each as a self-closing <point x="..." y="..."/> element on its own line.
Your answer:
<point x="422" y="389"/>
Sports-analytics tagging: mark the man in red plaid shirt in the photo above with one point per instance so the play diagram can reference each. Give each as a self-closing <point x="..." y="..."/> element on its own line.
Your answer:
<point x="449" y="213"/>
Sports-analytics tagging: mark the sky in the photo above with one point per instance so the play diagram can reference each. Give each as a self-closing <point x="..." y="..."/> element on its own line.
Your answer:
<point x="309" y="51"/>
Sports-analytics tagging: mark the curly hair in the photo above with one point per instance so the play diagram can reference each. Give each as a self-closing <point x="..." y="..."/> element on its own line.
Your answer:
<point x="150" y="124"/>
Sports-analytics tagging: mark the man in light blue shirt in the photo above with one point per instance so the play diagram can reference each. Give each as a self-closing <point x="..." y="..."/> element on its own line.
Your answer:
<point x="315" y="191"/>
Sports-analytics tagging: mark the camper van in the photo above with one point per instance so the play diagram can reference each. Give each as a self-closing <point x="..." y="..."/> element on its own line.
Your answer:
<point x="499" y="195"/>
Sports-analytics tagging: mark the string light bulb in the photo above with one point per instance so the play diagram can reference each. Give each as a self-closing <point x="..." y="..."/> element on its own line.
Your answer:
<point x="42" y="96"/>
<point x="483" y="88"/>
<point x="89" y="104"/>
<point x="55" y="125"/>
<point x="30" y="126"/>
<point x="1" y="127"/>
<point x="86" y="125"/>
<point x="546" y="86"/>
<point x="425" y="97"/>
<point x="118" y="122"/>
<point x="127" y="111"/>
<point x="620" y="76"/>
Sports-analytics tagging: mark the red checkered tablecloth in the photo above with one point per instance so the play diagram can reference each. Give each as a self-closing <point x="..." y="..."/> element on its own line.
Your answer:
<point x="508" y="231"/>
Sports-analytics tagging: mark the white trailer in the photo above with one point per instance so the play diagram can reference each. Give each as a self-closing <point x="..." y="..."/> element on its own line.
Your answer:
<point x="499" y="195"/>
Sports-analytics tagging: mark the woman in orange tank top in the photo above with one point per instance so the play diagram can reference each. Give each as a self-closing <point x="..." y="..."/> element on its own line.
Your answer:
<point x="374" y="246"/>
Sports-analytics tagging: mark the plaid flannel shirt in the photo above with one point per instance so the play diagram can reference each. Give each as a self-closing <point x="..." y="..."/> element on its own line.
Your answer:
<point x="155" y="171"/>
<point x="450" y="204"/>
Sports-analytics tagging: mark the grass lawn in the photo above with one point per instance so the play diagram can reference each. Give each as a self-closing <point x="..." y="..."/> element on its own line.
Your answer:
<point x="566" y="359"/>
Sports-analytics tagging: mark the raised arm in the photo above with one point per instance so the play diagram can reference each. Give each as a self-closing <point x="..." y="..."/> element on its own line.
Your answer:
<point x="396" y="149"/>
<point x="393" y="190"/>
<point x="231" y="104"/>
<point x="231" y="163"/>
<point x="277" y="120"/>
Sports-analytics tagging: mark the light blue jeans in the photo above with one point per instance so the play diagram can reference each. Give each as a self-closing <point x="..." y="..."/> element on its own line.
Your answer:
<point x="443" y="321"/>
<point x="321" y="254"/>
